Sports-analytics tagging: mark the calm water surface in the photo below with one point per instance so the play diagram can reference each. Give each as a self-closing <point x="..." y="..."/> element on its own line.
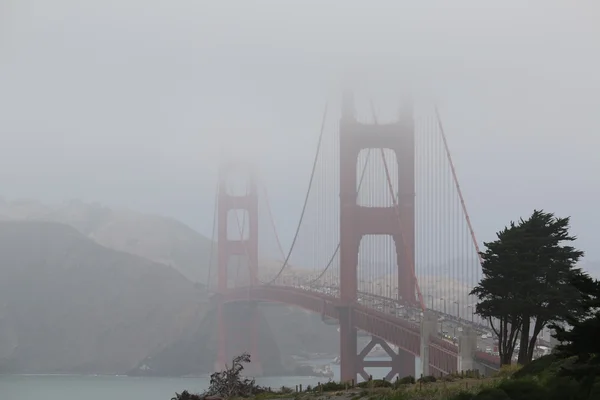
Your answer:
<point x="61" y="387"/>
<point x="70" y="387"/>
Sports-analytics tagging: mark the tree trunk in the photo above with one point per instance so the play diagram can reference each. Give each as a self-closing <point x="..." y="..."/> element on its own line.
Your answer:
<point x="507" y="337"/>
<point x="524" y="341"/>
<point x="539" y="325"/>
<point x="505" y="359"/>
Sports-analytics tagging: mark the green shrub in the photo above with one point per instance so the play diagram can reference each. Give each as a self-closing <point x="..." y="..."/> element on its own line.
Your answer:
<point x="508" y="370"/>
<point x="407" y="380"/>
<point x="185" y="395"/>
<point x="227" y="383"/>
<point x="595" y="390"/>
<point x="286" y="390"/>
<point x="536" y="367"/>
<point x="330" y="386"/>
<point x="564" y="388"/>
<point x="491" y="394"/>
<point x="375" y="383"/>
<point x="524" y="389"/>
<point x="427" y="379"/>
<point x="462" y="396"/>
<point x="395" y="395"/>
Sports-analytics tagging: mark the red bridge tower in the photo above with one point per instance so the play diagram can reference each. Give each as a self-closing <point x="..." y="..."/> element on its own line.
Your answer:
<point x="357" y="221"/>
<point x="237" y="332"/>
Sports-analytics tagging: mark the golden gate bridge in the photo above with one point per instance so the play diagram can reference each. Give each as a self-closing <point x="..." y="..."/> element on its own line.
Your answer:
<point x="383" y="227"/>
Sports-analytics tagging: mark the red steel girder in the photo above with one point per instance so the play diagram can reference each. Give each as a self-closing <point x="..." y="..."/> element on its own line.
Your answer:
<point x="402" y="333"/>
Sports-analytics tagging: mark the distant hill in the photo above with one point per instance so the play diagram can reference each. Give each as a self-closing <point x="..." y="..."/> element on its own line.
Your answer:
<point x="157" y="238"/>
<point x="68" y="304"/>
<point x="189" y="355"/>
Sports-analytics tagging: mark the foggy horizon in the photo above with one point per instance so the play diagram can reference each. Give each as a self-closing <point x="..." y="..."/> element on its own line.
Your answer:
<point x="393" y="142"/>
<point x="129" y="103"/>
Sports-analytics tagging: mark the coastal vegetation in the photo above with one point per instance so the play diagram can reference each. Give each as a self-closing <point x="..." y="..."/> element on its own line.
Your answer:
<point x="559" y="376"/>
<point x="531" y="281"/>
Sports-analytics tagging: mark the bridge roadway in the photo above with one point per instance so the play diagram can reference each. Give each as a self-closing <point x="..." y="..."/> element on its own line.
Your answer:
<point x="449" y="323"/>
<point x="443" y="355"/>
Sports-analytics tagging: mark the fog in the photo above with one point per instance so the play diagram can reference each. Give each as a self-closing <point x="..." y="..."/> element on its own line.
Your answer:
<point x="130" y="102"/>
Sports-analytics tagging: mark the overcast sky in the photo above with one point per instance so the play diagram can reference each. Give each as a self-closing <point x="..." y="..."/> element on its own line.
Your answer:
<point x="127" y="102"/>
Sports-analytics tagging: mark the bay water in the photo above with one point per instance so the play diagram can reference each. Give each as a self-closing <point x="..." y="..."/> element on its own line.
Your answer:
<point x="93" y="387"/>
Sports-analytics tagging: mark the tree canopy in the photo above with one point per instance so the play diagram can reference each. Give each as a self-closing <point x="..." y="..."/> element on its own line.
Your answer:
<point x="530" y="279"/>
<point x="581" y="340"/>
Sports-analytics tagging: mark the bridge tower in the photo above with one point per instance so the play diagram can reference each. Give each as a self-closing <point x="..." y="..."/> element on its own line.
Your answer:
<point x="234" y="335"/>
<point x="357" y="221"/>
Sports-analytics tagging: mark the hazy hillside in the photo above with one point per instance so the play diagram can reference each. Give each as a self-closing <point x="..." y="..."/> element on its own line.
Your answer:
<point x="68" y="304"/>
<point x="194" y="354"/>
<point x="160" y="239"/>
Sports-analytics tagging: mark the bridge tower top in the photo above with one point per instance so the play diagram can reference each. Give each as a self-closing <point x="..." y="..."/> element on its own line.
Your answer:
<point x="348" y="109"/>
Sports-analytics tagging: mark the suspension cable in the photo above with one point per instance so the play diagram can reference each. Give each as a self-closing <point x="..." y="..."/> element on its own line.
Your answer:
<point x="270" y="212"/>
<point x="459" y="190"/>
<point x="397" y="211"/>
<point x="337" y="249"/>
<point x="310" y="182"/>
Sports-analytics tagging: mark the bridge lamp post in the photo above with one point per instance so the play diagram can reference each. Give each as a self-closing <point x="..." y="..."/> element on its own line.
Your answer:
<point x="457" y="309"/>
<point x="472" y="312"/>
<point x="442" y="324"/>
<point x="431" y="297"/>
<point x="444" y="300"/>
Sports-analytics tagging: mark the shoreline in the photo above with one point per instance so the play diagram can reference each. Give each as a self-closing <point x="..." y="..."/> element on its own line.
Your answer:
<point x="207" y="376"/>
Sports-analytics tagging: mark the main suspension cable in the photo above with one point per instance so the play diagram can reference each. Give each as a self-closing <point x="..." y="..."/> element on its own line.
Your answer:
<point x="459" y="190"/>
<point x="337" y="249"/>
<point x="270" y="212"/>
<point x="310" y="182"/>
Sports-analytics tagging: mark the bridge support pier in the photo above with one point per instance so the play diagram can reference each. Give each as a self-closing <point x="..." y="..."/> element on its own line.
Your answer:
<point x="221" y="360"/>
<point x="428" y="329"/>
<point x="348" y="344"/>
<point x="467" y="346"/>
<point x="238" y="333"/>
<point x="353" y="364"/>
<point x="401" y="364"/>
